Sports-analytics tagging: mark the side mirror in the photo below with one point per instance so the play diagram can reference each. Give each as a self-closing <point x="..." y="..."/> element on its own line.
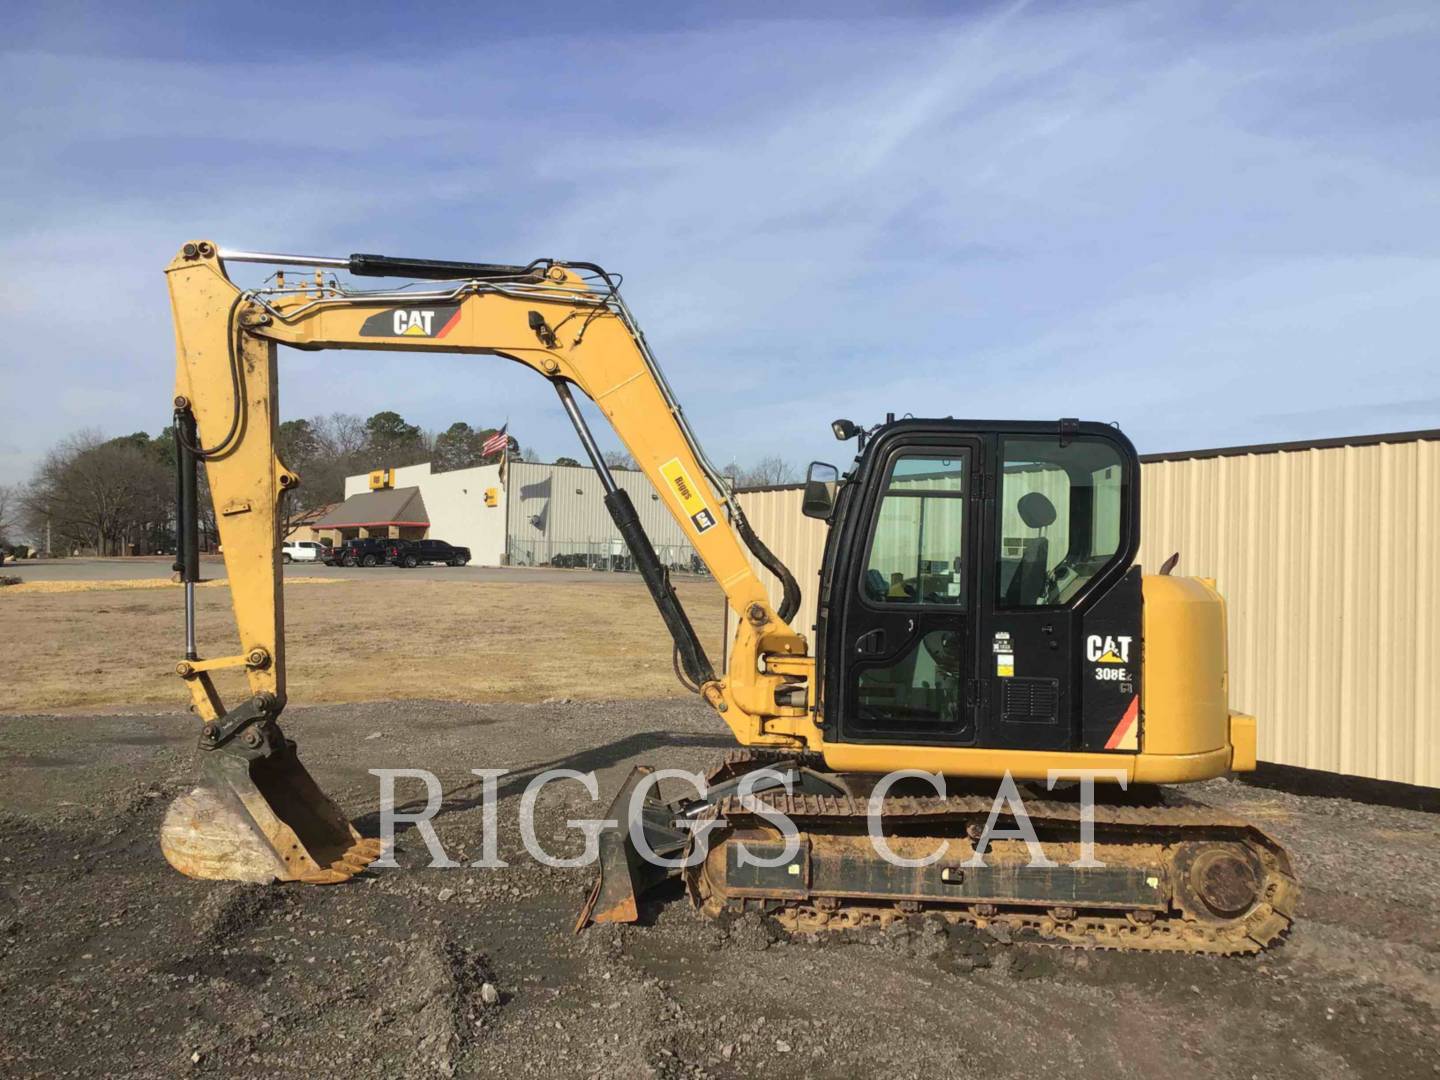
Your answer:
<point x="821" y="482"/>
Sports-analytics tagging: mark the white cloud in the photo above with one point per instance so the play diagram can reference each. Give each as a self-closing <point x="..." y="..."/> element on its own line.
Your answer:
<point x="1127" y="213"/>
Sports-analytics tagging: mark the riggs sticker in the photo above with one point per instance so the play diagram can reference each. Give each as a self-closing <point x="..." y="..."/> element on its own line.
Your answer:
<point x="688" y="495"/>
<point x="428" y="322"/>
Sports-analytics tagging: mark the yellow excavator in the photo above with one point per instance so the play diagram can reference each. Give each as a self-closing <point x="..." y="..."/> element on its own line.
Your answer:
<point x="980" y="617"/>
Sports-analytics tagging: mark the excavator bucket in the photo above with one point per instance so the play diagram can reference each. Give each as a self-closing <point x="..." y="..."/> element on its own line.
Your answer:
<point x="256" y="816"/>
<point x="625" y="873"/>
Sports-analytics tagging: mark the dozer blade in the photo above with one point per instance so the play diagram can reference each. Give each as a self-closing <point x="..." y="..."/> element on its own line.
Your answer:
<point x="625" y="873"/>
<point x="257" y="815"/>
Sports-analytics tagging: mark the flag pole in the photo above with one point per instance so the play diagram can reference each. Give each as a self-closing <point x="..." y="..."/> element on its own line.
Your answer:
<point x="505" y="453"/>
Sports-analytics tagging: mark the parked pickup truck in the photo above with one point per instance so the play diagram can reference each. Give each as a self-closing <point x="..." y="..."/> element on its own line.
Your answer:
<point x="369" y="551"/>
<point x="411" y="553"/>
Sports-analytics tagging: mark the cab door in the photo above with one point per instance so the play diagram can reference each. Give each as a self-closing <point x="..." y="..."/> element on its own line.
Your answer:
<point x="907" y="646"/>
<point x="1061" y="530"/>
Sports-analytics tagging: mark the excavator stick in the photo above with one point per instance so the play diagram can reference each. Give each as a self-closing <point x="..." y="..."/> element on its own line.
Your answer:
<point x="257" y="815"/>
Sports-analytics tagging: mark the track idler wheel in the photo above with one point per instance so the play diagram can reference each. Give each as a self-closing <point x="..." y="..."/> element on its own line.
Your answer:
<point x="1217" y="882"/>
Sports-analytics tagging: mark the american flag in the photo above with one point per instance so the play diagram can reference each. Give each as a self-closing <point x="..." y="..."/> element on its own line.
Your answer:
<point x="495" y="443"/>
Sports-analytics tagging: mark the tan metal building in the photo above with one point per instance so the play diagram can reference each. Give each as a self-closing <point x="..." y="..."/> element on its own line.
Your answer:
<point x="556" y="516"/>
<point x="1328" y="555"/>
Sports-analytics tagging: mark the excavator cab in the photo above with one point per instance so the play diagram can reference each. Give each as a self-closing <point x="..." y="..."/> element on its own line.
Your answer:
<point x="968" y="566"/>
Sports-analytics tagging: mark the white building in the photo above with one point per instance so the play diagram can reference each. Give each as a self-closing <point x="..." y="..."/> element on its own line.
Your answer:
<point x="529" y="514"/>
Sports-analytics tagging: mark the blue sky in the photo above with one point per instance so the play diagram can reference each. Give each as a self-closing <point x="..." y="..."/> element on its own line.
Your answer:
<point x="1211" y="223"/>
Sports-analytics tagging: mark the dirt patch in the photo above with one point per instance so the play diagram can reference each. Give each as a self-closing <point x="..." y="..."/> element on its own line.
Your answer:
<point x="380" y="638"/>
<point x="112" y="963"/>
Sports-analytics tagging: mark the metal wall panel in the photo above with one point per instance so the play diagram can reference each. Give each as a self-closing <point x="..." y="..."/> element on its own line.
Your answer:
<point x="1329" y="561"/>
<point x="554" y="508"/>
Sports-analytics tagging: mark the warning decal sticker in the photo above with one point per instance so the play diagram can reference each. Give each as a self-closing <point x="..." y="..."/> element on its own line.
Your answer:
<point x="691" y="501"/>
<point x="1004" y="649"/>
<point x="1126" y="735"/>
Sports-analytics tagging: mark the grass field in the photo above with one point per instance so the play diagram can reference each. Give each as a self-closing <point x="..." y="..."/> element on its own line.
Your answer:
<point x="71" y="646"/>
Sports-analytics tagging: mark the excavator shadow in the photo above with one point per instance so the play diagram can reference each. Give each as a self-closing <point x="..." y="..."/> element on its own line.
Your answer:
<point x="469" y="796"/>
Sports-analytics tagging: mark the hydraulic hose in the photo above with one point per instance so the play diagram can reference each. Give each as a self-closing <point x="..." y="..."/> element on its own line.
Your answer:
<point x="790" y="596"/>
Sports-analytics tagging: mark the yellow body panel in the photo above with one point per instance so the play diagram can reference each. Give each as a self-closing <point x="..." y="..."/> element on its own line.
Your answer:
<point x="1242" y="743"/>
<point x="1184" y="704"/>
<point x="984" y="762"/>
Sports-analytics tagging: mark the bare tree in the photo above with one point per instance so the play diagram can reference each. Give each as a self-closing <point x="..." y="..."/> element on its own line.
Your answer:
<point x="10" y="511"/>
<point x="323" y="450"/>
<point x="343" y="434"/>
<point x="103" y="494"/>
<point x="768" y="472"/>
<point x="619" y="459"/>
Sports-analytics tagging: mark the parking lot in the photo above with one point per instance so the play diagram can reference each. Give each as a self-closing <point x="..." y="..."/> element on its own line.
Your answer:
<point x="159" y="567"/>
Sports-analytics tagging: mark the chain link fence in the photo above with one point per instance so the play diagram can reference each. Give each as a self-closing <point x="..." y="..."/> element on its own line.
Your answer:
<point x="611" y="556"/>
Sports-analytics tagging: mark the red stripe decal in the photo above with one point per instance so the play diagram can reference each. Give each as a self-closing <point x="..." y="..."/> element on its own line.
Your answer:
<point x="449" y="325"/>
<point x="1132" y="711"/>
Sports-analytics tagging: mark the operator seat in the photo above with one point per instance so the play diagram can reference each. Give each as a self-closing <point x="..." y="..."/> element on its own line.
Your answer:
<point x="1028" y="585"/>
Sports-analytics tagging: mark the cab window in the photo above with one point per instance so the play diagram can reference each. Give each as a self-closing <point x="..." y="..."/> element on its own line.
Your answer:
<point x="916" y="554"/>
<point x="1059" y="518"/>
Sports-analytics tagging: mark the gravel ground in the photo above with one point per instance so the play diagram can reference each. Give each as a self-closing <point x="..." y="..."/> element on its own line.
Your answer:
<point x="111" y="963"/>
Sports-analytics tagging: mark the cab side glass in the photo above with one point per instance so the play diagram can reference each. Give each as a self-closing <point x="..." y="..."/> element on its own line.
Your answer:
<point x="821" y="483"/>
<point x="917" y="554"/>
<point x="1059" y="518"/>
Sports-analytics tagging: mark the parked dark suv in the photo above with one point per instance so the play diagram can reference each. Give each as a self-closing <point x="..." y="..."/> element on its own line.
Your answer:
<point x="414" y="552"/>
<point x="369" y="551"/>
